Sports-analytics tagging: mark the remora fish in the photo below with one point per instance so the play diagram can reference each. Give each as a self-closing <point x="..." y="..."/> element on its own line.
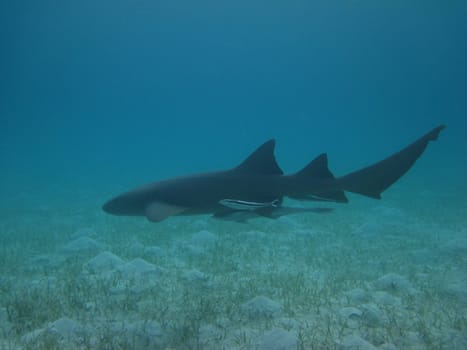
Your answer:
<point x="257" y="186"/>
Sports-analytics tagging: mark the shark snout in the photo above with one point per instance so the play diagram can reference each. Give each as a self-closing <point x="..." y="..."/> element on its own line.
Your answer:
<point x="125" y="204"/>
<point x="110" y="207"/>
<point x="117" y="206"/>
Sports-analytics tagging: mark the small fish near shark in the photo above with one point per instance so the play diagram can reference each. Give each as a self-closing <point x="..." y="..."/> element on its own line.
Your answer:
<point x="257" y="186"/>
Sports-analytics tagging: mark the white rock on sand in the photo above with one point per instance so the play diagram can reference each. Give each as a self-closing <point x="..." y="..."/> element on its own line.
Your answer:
<point x="63" y="329"/>
<point x="373" y="316"/>
<point x="277" y="339"/>
<point x="153" y="252"/>
<point x="384" y="298"/>
<point x="204" y="238"/>
<point x="261" y="307"/>
<point x="138" y="268"/>
<point x="147" y="335"/>
<point x="357" y="295"/>
<point x="350" y="312"/>
<point x="194" y="276"/>
<point x="104" y="262"/>
<point x="82" y="245"/>
<point x="392" y="282"/>
<point x="354" y="342"/>
<point x="456" y="247"/>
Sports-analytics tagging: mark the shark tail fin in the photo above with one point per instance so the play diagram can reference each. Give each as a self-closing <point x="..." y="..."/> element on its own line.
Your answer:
<point x="318" y="169"/>
<point x="375" y="179"/>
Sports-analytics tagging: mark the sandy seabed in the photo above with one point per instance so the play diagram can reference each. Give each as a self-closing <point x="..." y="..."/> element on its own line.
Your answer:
<point x="388" y="274"/>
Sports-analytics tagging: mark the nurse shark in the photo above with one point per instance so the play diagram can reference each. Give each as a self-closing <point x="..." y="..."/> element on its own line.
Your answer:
<point x="257" y="186"/>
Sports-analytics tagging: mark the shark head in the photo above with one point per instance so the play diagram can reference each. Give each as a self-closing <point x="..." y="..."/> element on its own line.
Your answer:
<point x="123" y="205"/>
<point x="131" y="204"/>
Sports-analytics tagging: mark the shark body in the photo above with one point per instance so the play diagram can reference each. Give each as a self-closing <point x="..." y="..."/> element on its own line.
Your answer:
<point x="257" y="186"/>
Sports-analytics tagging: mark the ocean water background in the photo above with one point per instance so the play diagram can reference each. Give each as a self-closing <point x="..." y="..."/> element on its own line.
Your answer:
<point x="99" y="97"/>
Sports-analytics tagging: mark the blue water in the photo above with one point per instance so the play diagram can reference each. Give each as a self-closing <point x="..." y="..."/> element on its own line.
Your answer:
<point x="99" y="97"/>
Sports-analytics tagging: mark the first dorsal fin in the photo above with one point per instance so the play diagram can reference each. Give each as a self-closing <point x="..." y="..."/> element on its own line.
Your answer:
<point x="261" y="161"/>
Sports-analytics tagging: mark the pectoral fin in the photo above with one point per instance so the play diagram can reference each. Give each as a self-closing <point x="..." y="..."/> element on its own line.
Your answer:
<point x="158" y="211"/>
